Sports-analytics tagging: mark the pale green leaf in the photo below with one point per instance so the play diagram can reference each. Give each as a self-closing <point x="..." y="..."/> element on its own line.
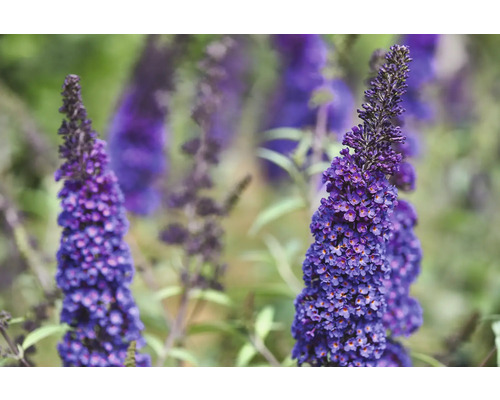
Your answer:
<point x="276" y="211"/>
<point x="317" y="168"/>
<point x="184" y="355"/>
<point x="289" y="362"/>
<point x="213" y="296"/>
<point x="167" y="292"/>
<point x="264" y="322"/>
<point x="16" y="320"/>
<point x="283" y="266"/>
<point x="245" y="355"/>
<point x="42" y="333"/>
<point x="154" y="342"/>
<point x="299" y="155"/>
<point x="496" y="330"/>
<point x="216" y="327"/>
<point x="283" y="133"/>
<point x="427" y="359"/>
<point x="280" y="160"/>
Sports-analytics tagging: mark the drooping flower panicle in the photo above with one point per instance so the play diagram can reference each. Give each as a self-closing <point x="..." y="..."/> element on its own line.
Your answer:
<point x="95" y="267"/>
<point x="339" y="314"/>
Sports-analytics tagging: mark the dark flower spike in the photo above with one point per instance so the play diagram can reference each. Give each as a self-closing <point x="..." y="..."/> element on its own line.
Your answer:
<point x="138" y="131"/>
<point x="202" y="234"/>
<point x="94" y="265"/>
<point x="339" y="314"/>
<point x="373" y="141"/>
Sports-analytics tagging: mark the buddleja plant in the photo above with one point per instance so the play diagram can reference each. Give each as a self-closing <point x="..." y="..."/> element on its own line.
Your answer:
<point x="339" y="314"/>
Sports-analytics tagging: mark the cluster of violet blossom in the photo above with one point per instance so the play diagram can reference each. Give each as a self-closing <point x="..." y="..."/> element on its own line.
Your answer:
<point x="339" y="314"/>
<point x="94" y="265"/>
<point x="302" y="59"/>
<point x="404" y="314"/>
<point x="138" y="131"/>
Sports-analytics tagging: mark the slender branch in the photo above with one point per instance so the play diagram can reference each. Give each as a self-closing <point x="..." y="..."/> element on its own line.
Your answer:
<point x="264" y="351"/>
<point x="317" y="146"/>
<point x="13" y="348"/>
<point x="146" y="270"/>
<point x="21" y="238"/>
<point x="177" y="328"/>
<point x="490" y="354"/>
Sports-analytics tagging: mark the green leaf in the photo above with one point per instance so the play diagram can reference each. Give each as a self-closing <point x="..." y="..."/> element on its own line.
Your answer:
<point x="276" y="211"/>
<point x="299" y="155"/>
<point x="43" y="332"/>
<point x="154" y="342"/>
<point x="184" y="355"/>
<point x="317" y="168"/>
<point x="216" y="327"/>
<point x="264" y="322"/>
<point x="167" y="292"/>
<point x="283" y="266"/>
<point x="427" y="359"/>
<point x="130" y="359"/>
<point x="280" y="160"/>
<point x="321" y="96"/>
<point x="333" y="149"/>
<point x="16" y="320"/>
<point x="274" y="290"/>
<point x="283" y="133"/>
<point x="289" y="362"/>
<point x="496" y="330"/>
<point x="213" y="296"/>
<point x="245" y="355"/>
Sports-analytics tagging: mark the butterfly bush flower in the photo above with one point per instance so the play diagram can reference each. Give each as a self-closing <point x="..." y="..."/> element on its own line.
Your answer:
<point x="395" y="355"/>
<point x="339" y="314"/>
<point x="137" y="135"/>
<point x="302" y="59"/>
<point x="95" y="267"/>
<point x="404" y="314"/>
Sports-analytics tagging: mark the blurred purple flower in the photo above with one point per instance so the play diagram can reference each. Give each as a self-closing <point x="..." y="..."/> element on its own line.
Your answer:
<point x="137" y="135"/>
<point x="423" y="71"/>
<point x="302" y="59"/>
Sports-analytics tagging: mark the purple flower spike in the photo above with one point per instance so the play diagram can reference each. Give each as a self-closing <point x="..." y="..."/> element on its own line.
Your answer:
<point x="302" y="59"/>
<point x="137" y="135"/>
<point x="404" y="314"/>
<point x="339" y="314"/>
<point x="395" y="355"/>
<point x="94" y="266"/>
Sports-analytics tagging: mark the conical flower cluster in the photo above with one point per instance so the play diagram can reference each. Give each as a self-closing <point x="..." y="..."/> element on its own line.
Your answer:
<point x="95" y="267"/>
<point x="339" y="314"/>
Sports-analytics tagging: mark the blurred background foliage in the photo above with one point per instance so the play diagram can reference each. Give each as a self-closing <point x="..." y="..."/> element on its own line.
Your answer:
<point x="456" y="199"/>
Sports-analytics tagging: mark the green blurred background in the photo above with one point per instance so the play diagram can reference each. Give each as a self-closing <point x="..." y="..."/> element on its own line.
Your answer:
<point x="456" y="197"/>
